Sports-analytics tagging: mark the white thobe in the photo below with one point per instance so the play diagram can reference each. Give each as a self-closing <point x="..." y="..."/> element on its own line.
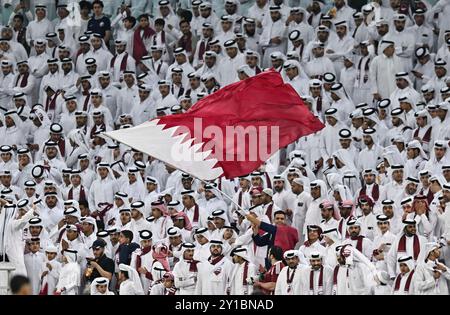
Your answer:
<point x="426" y="284"/>
<point x="382" y="71"/>
<point x="159" y="228"/>
<point x="405" y="43"/>
<point x="394" y="254"/>
<point x="143" y="111"/>
<point x="117" y="70"/>
<point x="340" y="48"/>
<point x="300" y="85"/>
<point x="34" y="263"/>
<point x="214" y="279"/>
<point x="303" y="287"/>
<point x="317" y="67"/>
<point x="229" y="67"/>
<point x="356" y="283"/>
<point x="102" y="191"/>
<point x="185" y="280"/>
<point x="285" y="286"/>
<point x="127" y="288"/>
<point x="402" y="287"/>
<point x="102" y="58"/>
<point x="38" y="29"/>
<point x="237" y="286"/>
<point x="147" y="263"/>
<point x="125" y="100"/>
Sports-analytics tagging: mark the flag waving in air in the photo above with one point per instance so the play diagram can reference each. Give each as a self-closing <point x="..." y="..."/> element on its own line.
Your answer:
<point x="229" y="133"/>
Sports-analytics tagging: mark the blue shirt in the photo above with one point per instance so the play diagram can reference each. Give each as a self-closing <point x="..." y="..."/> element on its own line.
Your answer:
<point x="100" y="25"/>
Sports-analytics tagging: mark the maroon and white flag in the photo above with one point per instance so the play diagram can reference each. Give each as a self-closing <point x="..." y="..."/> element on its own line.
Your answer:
<point x="230" y="133"/>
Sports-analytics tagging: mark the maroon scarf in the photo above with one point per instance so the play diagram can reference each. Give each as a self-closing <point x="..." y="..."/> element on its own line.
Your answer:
<point x="86" y="100"/>
<point x="180" y="91"/>
<point x="204" y="46"/>
<point x="426" y="137"/>
<point x="44" y="290"/>
<point x="416" y="245"/>
<point x="319" y="104"/>
<point x="123" y="64"/>
<point x="335" y="276"/>
<point x="366" y="66"/>
<point x="310" y="19"/>
<point x="244" y="278"/>
<point x="139" y="46"/>
<point x="144" y="251"/>
<point x="269" y="212"/>
<point x="290" y="278"/>
<point x="300" y="53"/>
<point x="196" y="214"/>
<point x="269" y="182"/>
<point x="215" y="260"/>
<point x="430" y="196"/>
<point x="105" y="208"/>
<point x="240" y="198"/>
<point x="24" y="81"/>
<point x="62" y="146"/>
<point x="193" y="265"/>
<point x="50" y="103"/>
<point x="163" y="38"/>
<point x="359" y="242"/>
<point x="61" y="233"/>
<point x="407" y="284"/>
<point x="157" y="70"/>
<point x="307" y="243"/>
<point x="186" y="42"/>
<point x="375" y="192"/>
<point x="311" y="281"/>
<point x="82" y="194"/>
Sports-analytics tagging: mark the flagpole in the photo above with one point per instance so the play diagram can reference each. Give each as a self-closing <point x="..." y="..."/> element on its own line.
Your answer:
<point x="224" y="194"/>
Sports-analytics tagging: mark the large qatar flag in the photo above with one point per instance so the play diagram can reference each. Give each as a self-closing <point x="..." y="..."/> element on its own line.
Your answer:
<point x="228" y="133"/>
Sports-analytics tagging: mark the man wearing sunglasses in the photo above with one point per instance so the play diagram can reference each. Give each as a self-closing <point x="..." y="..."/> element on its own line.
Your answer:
<point x="101" y="266"/>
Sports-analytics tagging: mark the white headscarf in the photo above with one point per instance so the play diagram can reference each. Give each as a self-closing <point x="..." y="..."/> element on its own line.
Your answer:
<point x="346" y="158"/>
<point x="16" y="118"/>
<point x="134" y="278"/>
<point x="323" y="188"/>
<point x="94" y="284"/>
<point x="78" y="137"/>
<point x="415" y="144"/>
<point x="110" y="175"/>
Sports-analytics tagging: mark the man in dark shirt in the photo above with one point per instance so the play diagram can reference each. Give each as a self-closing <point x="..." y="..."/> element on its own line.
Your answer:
<point x="20" y="30"/>
<point x="99" y="23"/>
<point x="100" y="266"/>
<point x="278" y="234"/>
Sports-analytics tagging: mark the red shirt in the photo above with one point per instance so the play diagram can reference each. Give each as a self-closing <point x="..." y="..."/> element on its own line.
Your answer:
<point x="272" y="275"/>
<point x="286" y="237"/>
